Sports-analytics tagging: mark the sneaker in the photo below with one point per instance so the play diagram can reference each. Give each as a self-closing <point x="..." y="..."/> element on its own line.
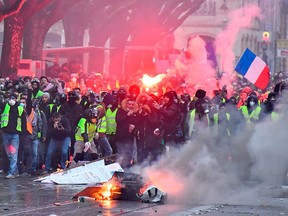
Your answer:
<point x="12" y="176"/>
<point x="1" y="171"/>
<point x="25" y="174"/>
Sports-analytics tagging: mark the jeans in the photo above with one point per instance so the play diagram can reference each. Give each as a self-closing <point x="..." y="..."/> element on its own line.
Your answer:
<point x="11" y="144"/>
<point x="105" y="146"/>
<point x="53" y="146"/>
<point x="29" y="153"/>
<point x="42" y="150"/>
<point x="34" y="150"/>
<point x="3" y="157"/>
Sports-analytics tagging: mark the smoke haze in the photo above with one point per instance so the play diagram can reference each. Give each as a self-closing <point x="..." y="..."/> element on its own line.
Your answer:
<point x="213" y="169"/>
<point x="198" y="71"/>
<point x="202" y="172"/>
<point x="225" y="41"/>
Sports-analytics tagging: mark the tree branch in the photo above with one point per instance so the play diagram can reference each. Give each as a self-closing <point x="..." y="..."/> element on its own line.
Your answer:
<point x="56" y="13"/>
<point x="182" y="15"/>
<point x="13" y="9"/>
<point x="33" y="6"/>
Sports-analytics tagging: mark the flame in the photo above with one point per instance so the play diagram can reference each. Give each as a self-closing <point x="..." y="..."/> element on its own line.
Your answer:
<point x="107" y="193"/>
<point x="108" y="190"/>
<point x="150" y="81"/>
<point x="117" y="84"/>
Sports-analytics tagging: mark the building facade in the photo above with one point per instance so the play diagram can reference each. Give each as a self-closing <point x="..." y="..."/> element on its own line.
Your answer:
<point x="212" y="18"/>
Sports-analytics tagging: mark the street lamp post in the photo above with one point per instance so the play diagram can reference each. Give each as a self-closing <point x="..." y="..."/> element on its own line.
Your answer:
<point x="264" y="47"/>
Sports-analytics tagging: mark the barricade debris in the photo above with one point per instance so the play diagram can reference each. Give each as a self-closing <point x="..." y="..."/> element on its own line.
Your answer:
<point x="95" y="172"/>
<point x="106" y="182"/>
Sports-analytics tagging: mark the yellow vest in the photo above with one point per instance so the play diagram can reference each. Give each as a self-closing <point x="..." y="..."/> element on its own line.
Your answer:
<point x="38" y="95"/>
<point x="253" y="115"/>
<point x="85" y="127"/>
<point x="216" y="122"/>
<point x="5" y="117"/>
<point x="191" y="121"/>
<point x="111" y="121"/>
<point x="102" y="125"/>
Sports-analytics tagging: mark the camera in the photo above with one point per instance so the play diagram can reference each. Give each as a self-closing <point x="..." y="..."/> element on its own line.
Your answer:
<point x="59" y="126"/>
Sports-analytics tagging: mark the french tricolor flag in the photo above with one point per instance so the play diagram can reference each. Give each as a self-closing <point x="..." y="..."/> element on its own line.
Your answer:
<point x="253" y="69"/>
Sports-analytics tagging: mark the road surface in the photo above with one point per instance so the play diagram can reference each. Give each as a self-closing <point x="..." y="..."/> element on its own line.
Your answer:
<point x="22" y="196"/>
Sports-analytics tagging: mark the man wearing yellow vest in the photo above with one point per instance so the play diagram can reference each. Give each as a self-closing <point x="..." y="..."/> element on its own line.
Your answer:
<point x="85" y="132"/>
<point x="102" y="140"/>
<point x="198" y="116"/>
<point x="252" y="112"/>
<point x="272" y="107"/>
<point x="12" y="123"/>
<point x="111" y="107"/>
<point x="29" y="138"/>
<point x="36" y="92"/>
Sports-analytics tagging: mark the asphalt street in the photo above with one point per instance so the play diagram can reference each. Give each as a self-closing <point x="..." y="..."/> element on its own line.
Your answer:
<point x="22" y="196"/>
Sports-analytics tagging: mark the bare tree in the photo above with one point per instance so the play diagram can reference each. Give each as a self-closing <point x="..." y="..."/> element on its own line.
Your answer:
<point x="38" y="25"/>
<point x="13" y="33"/>
<point x="75" y="21"/>
<point x="153" y="20"/>
<point x="149" y="22"/>
<point x="109" y="21"/>
<point x="9" y="11"/>
<point x="144" y="22"/>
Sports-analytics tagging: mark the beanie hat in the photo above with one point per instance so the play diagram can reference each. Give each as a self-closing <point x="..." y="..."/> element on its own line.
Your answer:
<point x="108" y="99"/>
<point x="200" y="93"/>
<point x="46" y="94"/>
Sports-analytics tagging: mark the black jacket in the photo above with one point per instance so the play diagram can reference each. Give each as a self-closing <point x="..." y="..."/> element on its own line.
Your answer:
<point x="172" y="118"/>
<point x="146" y="137"/>
<point x="73" y="112"/>
<point x="56" y="133"/>
<point x="123" y="121"/>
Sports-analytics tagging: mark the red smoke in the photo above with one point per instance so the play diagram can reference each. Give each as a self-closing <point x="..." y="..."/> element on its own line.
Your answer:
<point x="225" y="41"/>
<point x="197" y="69"/>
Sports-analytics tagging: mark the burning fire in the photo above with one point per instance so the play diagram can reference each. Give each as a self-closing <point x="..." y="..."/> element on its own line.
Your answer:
<point x="151" y="81"/>
<point x="108" y="191"/>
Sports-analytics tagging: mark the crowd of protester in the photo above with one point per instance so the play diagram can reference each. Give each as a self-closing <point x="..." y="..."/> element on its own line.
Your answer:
<point x="47" y="124"/>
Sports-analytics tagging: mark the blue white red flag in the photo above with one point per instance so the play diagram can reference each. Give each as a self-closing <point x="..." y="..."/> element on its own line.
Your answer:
<point x="253" y="69"/>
